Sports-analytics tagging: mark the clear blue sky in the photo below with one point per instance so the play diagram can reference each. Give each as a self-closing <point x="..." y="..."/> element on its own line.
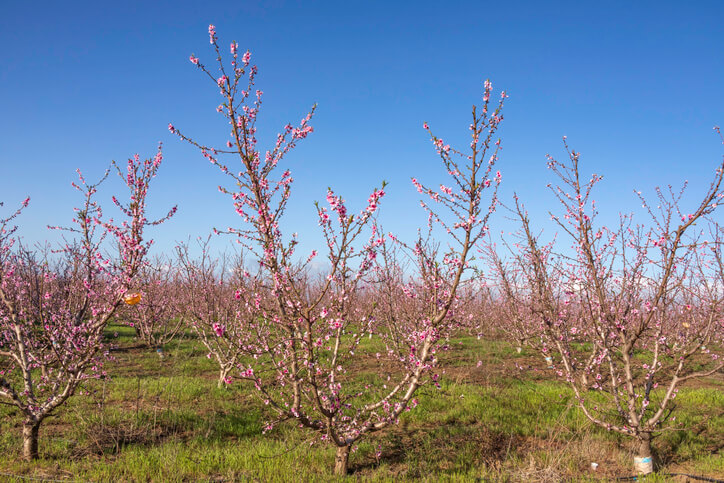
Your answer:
<point x="636" y="87"/>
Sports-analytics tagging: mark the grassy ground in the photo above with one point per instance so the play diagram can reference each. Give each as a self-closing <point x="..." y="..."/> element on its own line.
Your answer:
<point x="165" y="420"/>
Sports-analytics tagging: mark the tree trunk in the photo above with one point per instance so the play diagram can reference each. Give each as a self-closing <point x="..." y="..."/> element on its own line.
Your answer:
<point x="644" y="445"/>
<point x="223" y="372"/>
<point x="341" y="461"/>
<point x="30" y="440"/>
<point x="643" y="460"/>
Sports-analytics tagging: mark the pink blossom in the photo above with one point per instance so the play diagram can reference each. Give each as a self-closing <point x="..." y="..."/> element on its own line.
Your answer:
<point x="218" y="329"/>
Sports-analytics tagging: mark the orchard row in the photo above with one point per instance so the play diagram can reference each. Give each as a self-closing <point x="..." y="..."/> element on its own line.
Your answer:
<point x="628" y="312"/>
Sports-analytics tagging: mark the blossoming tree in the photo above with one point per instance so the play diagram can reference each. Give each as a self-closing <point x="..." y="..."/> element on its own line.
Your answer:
<point x="53" y="310"/>
<point x="207" y="299"/>
<point x="304" y="336"/>
<point x="631" y="314"/>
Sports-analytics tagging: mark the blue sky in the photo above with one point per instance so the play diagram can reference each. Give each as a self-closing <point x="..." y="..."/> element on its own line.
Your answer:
<point x="636" y="87"/>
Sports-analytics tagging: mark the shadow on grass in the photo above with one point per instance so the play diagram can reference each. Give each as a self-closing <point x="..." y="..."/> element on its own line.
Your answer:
<point x="421" y="452"/>
<point x="103" y="437"/>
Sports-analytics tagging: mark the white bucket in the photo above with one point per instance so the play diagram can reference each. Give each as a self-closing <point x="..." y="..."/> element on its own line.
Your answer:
<point x="643" y="465"/>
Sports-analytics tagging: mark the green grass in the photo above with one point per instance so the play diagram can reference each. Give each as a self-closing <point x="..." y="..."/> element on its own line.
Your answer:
<point x="165" y="420"/>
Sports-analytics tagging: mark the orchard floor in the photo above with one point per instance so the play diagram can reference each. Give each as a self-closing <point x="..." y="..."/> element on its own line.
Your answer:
<point x="506" y="419"/>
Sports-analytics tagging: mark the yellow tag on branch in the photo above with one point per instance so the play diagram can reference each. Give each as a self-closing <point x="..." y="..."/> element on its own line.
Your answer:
<point x="132" y="298"/>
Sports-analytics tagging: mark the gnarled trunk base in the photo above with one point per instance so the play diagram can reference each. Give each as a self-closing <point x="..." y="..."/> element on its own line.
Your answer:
<point x="30" y="441"/>
<point x="341" y="461"/>
<point x="643" y="461"/>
